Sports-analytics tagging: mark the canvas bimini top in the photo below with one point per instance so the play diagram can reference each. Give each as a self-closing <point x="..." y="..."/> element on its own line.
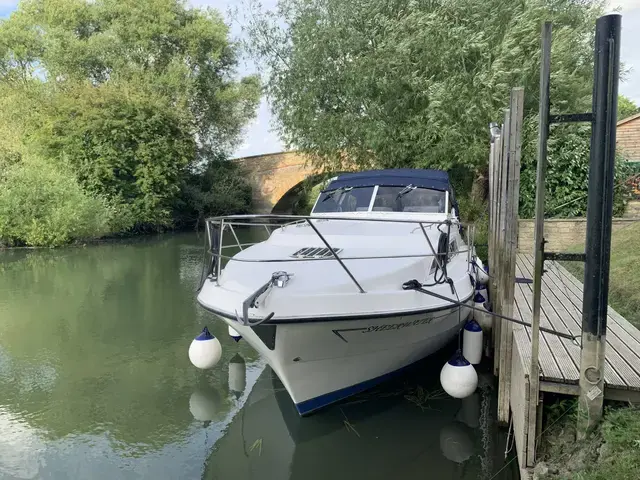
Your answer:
<point x="392" y="184"/>
<point x="397" y="177"/>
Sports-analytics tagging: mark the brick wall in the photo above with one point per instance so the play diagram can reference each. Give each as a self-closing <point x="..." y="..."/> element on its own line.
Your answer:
<point x="561" y="233"/>
<point x="628" y="138"/>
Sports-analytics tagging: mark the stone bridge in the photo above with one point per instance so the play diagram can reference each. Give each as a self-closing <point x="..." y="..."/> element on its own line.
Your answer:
<point x="274" y="177"/>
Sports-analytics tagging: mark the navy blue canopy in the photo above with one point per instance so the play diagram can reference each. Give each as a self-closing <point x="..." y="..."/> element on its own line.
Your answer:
<point x="398" y="177"/>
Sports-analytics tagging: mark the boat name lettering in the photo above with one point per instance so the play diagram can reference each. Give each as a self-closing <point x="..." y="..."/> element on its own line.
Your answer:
<point x="396" y="326"/>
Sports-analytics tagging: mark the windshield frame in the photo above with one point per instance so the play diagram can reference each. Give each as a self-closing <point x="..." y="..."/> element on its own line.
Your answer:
<point x="447" y="205"/>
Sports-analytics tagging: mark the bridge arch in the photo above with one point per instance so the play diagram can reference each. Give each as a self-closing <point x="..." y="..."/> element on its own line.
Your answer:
<point x="274" y="175"/>
<point x="288" y="203"/>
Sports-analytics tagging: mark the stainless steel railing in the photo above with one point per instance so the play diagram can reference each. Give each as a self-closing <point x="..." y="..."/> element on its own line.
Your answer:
<point x="216" y="227"/>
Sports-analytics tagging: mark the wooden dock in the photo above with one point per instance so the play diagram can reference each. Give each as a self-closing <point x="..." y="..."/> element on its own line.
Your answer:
<point x="562" y="310"/>
<point x="559" y="358"/>
<point x="557" y="365"/>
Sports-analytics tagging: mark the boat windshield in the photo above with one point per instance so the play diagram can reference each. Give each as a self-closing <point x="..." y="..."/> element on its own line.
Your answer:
<point x="409" y="199"/>
<point x="344" y="199"/>
<point x="387" y="199"/>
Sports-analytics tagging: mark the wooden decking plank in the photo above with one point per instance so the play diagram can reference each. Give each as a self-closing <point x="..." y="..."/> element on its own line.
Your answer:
<point x="570" y="317"/>
<point x="623" y="358"/>
<point x="616" y="369"/>
<point x="629" y="328"/>
<point x="566" y="354"/>
<point x="622" y="364"/>
<point x="549" y="368"/>
<point x="574" y="294"/>
<point x="617" y="338"/>
<point x="561" y="354"/>
<point x="522" y="337"/>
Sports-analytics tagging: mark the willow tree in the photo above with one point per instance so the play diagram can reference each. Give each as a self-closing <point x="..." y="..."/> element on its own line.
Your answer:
<point x="415" y="83"/>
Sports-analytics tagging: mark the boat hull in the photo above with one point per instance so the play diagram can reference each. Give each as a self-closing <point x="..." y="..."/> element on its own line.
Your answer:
<point x="323" y="361"/>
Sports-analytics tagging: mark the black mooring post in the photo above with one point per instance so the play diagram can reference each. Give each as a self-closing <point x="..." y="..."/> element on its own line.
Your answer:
<point x="599" y="213"/>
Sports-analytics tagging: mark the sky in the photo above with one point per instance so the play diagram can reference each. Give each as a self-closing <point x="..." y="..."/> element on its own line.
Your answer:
<point x="260" y="137"/>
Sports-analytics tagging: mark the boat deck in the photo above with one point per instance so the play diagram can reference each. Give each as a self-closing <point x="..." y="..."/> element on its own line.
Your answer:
<point x="561" y="309"/>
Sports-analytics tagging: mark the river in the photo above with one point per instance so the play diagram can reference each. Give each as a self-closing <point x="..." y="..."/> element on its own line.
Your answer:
<point x="95" y="383"/>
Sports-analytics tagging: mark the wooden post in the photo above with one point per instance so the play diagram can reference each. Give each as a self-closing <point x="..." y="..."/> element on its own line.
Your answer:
<point x="508" y="237"/>
<point x="543" y="134"/>
<point x="494" y="162"/>
<point x="599" y="213"/>
<point x="490" y="255"/>
<point x="496" y="279"/>
<point x="496" y="269"/>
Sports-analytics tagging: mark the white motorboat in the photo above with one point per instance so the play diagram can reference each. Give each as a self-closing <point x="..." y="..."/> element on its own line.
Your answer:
<point x="375" y="279"/>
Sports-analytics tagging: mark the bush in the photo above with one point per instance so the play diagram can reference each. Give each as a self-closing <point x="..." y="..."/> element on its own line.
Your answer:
<point x="42" y="205"/>
<point x="476" y="212"/>
<point x="129" y="149"/>
<point x="567" y="177"/>
<point x="221" y="189"/>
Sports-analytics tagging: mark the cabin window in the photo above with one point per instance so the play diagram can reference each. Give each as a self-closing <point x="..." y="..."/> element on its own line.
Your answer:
<point x="409" y="199"/>
<point x="345" y="199"/>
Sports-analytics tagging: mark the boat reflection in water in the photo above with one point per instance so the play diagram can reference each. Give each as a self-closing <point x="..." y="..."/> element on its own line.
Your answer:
<point x="397" y="431"/>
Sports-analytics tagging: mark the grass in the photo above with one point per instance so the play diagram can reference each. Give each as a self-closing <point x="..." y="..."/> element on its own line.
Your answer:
<point x="624" y="297"/>
<point x="619" y="455"/>
<point x="611" y="452"/>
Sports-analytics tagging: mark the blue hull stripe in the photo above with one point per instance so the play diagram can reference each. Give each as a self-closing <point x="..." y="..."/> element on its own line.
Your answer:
<point x="309" y="406"/>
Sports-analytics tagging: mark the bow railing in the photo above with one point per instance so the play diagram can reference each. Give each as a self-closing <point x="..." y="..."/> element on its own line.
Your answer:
<point x="217" y="243"/>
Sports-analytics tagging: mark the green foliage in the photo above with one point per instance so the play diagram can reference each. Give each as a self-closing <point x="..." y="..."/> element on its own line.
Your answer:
<point x="126" y="96"/>
<point x="126" y="146"/>
<point x="41" y="205"/>
<point x="560" y="409"/>
<point x="476" y="212"/>
<point x="567" y="178"/>
<point x="626" y="107"/>
<point x="307" y="198"/>
<point x="415" y="83"/>
<point x="222" y="189"/>
<point x="621" y="434"/>
<point x="300" y="201"/>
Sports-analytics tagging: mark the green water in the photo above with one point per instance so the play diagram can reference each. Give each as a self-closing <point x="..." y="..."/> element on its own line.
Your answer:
<point x="95" y="383"/>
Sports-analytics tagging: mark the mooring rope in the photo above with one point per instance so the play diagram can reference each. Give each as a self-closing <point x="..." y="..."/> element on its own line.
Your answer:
<point x="417" y="286"/>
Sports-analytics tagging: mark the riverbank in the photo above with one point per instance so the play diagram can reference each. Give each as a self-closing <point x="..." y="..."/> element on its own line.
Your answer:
<point x="107" y="240"/>
<point x="611" y="452"/>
